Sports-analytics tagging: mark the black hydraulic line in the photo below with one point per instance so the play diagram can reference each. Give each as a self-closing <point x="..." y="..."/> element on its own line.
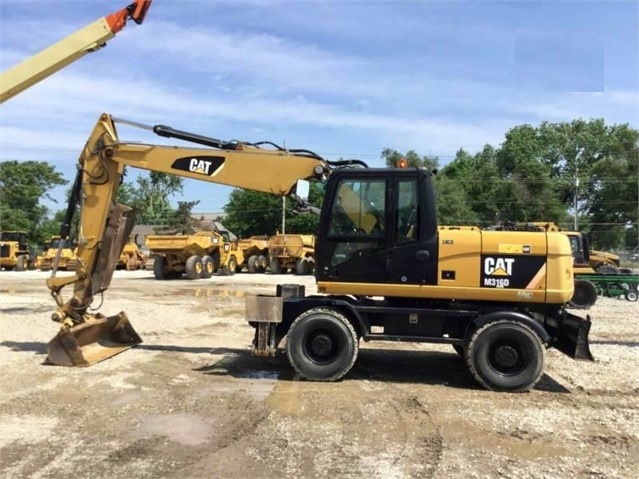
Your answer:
<point x="342" y="163"/>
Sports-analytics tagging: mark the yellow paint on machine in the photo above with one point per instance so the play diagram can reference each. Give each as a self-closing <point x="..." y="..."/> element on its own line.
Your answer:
<point x="441" y="292"/>
<point x="538" y="279"/>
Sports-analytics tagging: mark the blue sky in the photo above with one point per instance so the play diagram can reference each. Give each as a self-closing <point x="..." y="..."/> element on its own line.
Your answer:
<point x="341" y="78"/>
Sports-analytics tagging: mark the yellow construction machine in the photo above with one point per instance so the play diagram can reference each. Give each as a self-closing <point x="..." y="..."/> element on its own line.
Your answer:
<point x="255" y="252"/>
<point x="295" y="252"/>
<point x="132" y="257"/>
<point x="14" y="251"/>
<point x="59" y="251"/>
<point x="88" y="39"/>
<point x="195" y="256"/>
<point x="384" y="269"/>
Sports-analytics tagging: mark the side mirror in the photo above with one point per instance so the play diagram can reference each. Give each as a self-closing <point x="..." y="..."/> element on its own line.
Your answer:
<point x="302" y="189"/>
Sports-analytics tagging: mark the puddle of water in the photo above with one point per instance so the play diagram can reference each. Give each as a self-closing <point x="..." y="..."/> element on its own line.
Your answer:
<point x="186" y="429"/>
<point x="288" y="399"/>
<point x="217" y="293"/>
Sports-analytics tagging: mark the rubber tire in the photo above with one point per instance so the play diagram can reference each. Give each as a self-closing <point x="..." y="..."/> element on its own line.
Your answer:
<point x="263" y="263"/>
<point x="607" y="269"/>
<point x="330" y="325"/>
<point x="275" y="267"/>
<point x="301" y="267"/>
<point x="216" y="260"/>
<point x="631" y="295"/>
<point x="518" y="337"/>
<point x="585" y="294"/>
<point x="159" y="269"/>
<point x="231" y="267"/>
<point x="22" y="263"/>
<point x="252" y="264"/>
<point x="208" y="267"/>
<point x="193" y="267"/>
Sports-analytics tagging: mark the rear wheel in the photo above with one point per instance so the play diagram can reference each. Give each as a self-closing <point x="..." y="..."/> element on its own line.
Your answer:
<point x="607" y="269"/>
<point x="159" y="268"/>
<point x="262" y="261"/>
<point x="302" y="266"/>
<point x="194" y="267"/>
<point x="274" y="266"/>
<point x="585" y="294"/>
<point x="208" y="268"/>
<point x="506" y="356"/>
<point x="631" y="295"/>
<point x="252" y="264"/>
<point x="322" y="345"/>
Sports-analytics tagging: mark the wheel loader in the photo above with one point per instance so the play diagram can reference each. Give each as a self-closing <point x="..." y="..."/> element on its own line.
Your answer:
<point x="291" y="252"/>
<point x="384" y="270"/>
<point x="14" y="251"/>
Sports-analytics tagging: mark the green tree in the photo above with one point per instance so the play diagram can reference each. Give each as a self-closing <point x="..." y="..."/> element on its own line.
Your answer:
<point x="452" y="204"/>
<point x="527" y="191"/>
<point x="181" y="219"/>
<point x="150" y="196"/>
<point x="252" y="213"/>
<point x="23" y="184"/>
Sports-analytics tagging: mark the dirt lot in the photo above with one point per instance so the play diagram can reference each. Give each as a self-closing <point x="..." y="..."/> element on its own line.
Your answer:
<point x="191" y="401"/>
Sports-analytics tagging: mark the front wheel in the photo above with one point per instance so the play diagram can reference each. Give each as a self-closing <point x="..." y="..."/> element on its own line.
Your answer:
<point x="506" y="356"/>
<point x="322" y="345"/>
<point x="160" y="271"/>
<point x="631" y="295"/>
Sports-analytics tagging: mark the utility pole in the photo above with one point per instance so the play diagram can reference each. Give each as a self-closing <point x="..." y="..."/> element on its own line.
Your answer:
<point x="576" y="194"/>
<point x="283" y="215"/>
<point x="580" y="152"/>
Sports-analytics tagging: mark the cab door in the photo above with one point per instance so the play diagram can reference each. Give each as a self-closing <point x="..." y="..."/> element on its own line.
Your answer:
<point x="413" y="254"/>
<point x="378" y="227"/>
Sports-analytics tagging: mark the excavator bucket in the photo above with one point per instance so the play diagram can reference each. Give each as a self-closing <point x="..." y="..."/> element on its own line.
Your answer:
<point x="93" y="341"/>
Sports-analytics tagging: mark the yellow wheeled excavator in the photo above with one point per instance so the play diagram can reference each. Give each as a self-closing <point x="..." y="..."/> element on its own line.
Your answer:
<point x="384" y="269"/>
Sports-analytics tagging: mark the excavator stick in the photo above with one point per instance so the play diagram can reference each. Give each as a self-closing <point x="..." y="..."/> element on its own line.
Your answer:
<point x="93" y="341"/>
<point x="96" y="337"/>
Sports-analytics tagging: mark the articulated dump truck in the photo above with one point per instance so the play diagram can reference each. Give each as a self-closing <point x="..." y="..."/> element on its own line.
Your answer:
<point x="195" y="256"/>
<point x="293" y="252"/>
<point x="255" y="253"/>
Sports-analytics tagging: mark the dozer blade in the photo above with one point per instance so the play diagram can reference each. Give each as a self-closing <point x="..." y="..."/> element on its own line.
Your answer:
<point x="93" y="341"/>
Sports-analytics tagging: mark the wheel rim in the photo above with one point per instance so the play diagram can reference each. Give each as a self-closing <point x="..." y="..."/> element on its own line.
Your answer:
<point x="321" y="346"/>
<point x="506" y="358"/>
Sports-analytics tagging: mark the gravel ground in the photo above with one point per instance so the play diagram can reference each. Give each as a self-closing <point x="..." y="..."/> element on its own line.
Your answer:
<point x="191" y="401"/>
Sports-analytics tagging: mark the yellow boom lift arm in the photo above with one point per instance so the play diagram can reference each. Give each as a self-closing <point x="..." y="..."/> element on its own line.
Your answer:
<point x="71" y="48"/>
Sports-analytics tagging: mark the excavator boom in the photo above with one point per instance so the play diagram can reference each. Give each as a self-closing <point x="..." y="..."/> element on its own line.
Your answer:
<point x="105" y="226"/>
<point x="88" y="39"/>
